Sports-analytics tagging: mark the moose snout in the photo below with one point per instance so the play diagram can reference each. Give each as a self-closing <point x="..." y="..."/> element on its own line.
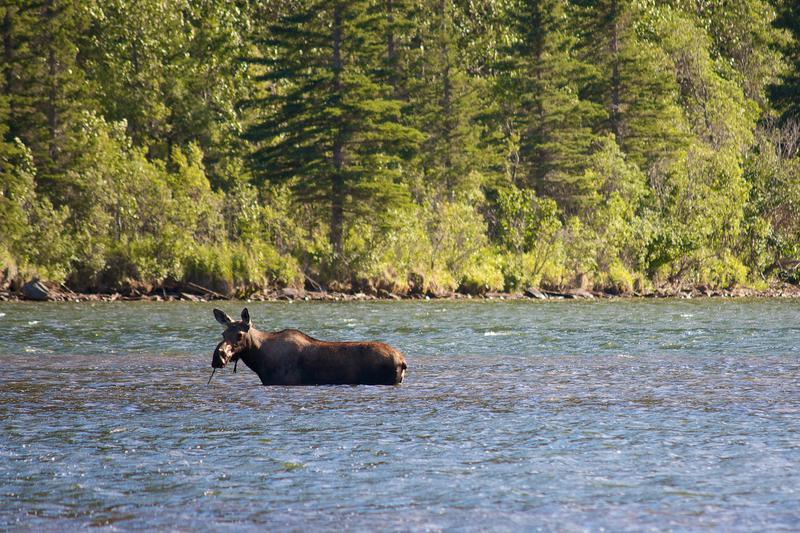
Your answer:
<point x="221" y="356"/>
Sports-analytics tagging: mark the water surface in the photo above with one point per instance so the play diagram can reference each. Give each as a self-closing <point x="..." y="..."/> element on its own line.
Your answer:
<point x="566" y="416"/>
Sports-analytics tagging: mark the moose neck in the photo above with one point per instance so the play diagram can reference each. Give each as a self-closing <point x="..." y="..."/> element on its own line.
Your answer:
<point x="249" y="355"/>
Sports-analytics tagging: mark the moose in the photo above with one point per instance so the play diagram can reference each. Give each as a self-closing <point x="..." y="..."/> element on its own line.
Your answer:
<point x="290" y="357"/>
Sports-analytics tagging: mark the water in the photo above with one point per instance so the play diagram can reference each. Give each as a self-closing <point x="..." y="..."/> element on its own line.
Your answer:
<point x="565" y="416"/>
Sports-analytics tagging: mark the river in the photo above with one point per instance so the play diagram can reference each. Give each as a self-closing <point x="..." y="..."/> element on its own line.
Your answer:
<point x="514" y="416"/>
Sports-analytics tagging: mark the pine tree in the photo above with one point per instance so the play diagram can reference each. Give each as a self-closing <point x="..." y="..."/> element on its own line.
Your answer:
<point x="331" y="125"/>
<point x="398" y="30"/>
<point x="542" y="79"/>
<point x="444" y="101"/>
<point x="46" y="85"/>
<point x="637" y="85"/>
<point x="16" y="26"/>
<point x="786" y="94"/>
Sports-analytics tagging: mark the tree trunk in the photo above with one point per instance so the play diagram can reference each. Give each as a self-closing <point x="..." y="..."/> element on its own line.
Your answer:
<point x="391" y="47"/>
<point x="51" y="105"/>
<point x="447" y="108"/>
<point x="337" y="197"/>
<point x="615" y="112"/>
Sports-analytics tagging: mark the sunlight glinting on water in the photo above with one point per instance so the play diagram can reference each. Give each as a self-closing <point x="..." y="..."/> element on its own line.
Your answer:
<point x="513" y="416"/>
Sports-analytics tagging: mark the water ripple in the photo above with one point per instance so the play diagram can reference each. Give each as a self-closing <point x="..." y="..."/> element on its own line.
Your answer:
<point x="617" y="416"/>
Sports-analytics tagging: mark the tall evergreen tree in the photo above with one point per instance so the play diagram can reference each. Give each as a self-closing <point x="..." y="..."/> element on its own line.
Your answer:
<point x="444" y="103"/>
<point x="398" y="30"/>
<point x="637" y="85"/>
<point x="786" y="94"/>
<point x="46" y="84"/>
<point x="17" y="19"/>
<point x="331" y="124"/>
<point x="544" y="79"/>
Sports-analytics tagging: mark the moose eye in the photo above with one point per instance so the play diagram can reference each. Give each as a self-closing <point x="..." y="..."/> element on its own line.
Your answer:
<point x="240" y="335"/>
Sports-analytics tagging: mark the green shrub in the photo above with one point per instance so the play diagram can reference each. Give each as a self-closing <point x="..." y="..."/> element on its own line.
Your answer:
<point x="723" y="272"/>
<point x="483" y="274"/>
<point x="210" y="267"/>
<point x="258" y="264"/>
<point x="514" y="275"/>
<point x="229" y="267"/>
<point x="49" y="247"/>
<point x="617" y="279"/>
<point x="8" y="267"/>
<point x="553" y="274"/>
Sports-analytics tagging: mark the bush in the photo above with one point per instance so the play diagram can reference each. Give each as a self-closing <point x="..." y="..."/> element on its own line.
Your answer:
<point x="617" y="279"/>
<point x="484" y="274"/>
<point x="580" y="249"/>
<point x="227" y="268"/>
<point x="723" y="272"/>
<point x="48" y="247"/>
<point x="258" y="264"/>
<point x="210" y="267"/>
<point x="430" y="245"/>
<point x="150" y="258"/>
<point x="8" y="267"/>
<point x="553" y="273"/>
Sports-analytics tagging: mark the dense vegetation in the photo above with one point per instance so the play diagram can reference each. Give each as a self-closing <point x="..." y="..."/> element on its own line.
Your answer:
<point x="400" y="144"/>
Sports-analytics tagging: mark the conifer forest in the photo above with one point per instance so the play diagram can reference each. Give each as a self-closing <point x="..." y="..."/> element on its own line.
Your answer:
<point x="400" y="145"/>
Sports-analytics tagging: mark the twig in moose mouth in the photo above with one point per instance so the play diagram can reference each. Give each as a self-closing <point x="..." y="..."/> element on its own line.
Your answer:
<point x="211" y="376"/>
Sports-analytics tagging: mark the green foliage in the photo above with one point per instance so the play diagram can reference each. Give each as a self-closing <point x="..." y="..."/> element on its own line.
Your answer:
<point x="425" y="145"/>
<point x="331" y="123"/>
<point x="49" y="246"/>
<point x="484" y="274"/>
<point x="17" y="195"/>
<point x="723" y="272"/>
<point x="456" y="232"/>
<point x="528" y="227"/>
<point x="772" y="212"/>
<point x="172" y="71"/>
<point x="615" y="209"/>
<point x="539" y="83"/>
<point x="240" y="268"/>
<point x="580" y="251"/>
<point x="632" y="64"/>
<point x="785" y="92"/>
<point x="618" y="279"/>
<point x="443" y="101"/>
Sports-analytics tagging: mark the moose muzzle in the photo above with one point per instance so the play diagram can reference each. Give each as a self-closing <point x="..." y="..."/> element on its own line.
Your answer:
<point x="222" y="355"/>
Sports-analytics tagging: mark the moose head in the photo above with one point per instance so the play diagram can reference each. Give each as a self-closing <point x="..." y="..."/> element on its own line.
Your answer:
<point x="235" y="338"/>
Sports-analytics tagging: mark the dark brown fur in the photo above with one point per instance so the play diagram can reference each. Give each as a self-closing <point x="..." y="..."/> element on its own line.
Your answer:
<point x="290" y="357"/>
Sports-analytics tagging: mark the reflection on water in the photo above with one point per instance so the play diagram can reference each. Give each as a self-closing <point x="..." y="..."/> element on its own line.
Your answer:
<point x="513" y="416"/>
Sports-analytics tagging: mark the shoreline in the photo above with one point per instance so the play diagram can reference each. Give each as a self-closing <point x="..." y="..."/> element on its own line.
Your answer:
<point x="42" y="293"/>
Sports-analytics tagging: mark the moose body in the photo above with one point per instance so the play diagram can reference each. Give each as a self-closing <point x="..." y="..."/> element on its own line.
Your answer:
<point x="290" y="357"/>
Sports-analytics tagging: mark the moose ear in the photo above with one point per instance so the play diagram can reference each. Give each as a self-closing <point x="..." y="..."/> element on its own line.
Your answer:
<point x="222" y="318"/>
<point x="246" y="317"/>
